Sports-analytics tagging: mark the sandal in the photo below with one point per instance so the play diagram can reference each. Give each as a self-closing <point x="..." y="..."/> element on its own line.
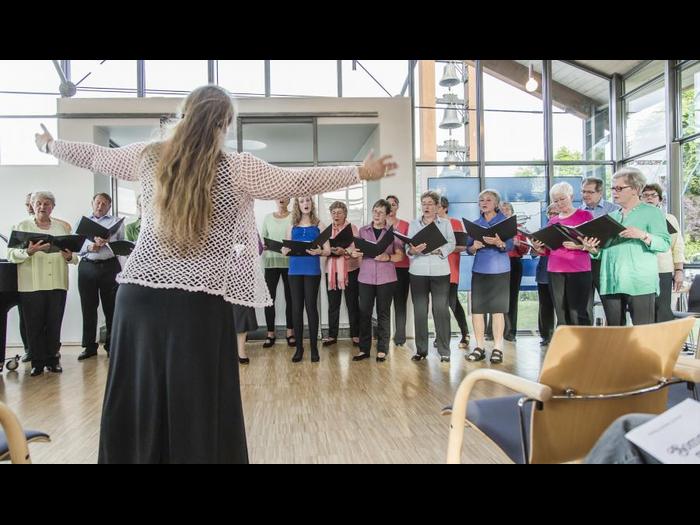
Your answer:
<point x="291" y="340"/>
<point x="478" y="354"/>
<point x="381" y="357"/>
<point x="269" y="342"/>
<point x="496" y="356"/>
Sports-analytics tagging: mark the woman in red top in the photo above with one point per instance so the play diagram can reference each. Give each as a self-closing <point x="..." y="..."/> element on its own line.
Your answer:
<point x="516" y="275"/>
<point x="403" y="280"/>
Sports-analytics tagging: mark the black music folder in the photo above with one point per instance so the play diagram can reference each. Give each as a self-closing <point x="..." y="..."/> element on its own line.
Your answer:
<point x="299" y="247"/>
<point x="272" y="245"/>
<point x="343" y="239"/>
<point x="506" y="229"/>
<point x="430" y="235"/>
<point x="372" y="249"/>
<point x="552" y="236"/>
<point x="21" y="240"/>
<point x="123" y="248"/>
<point x="603" y="228"/>
<point x="670" y="227"/>
<point x="461" y="238"/>
<point x="90" y="229"/>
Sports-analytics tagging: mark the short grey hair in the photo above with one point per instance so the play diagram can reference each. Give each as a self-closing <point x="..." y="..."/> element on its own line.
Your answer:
<point x="43" y="195"/>
<point x="494" y="193"/>
<point x="561" y="188"/>
<point x="507" y="205"/>
<point x="634" y="177"/>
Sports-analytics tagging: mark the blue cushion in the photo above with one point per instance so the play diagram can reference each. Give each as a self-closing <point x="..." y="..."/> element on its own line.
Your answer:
<point x="679" y="392"/>
<point x="29" y="434"/>
<point x="498" y="418"/>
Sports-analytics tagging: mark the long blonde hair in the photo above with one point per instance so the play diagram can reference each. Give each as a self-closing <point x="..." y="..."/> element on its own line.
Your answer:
<point x="187" y="168"/>
<point x="296" y="213"/>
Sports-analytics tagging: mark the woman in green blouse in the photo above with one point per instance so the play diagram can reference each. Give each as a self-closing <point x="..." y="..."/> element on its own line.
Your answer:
<point x="277" y="265"/>
<point x="42" y="281"/>
<point x="629" y="277"/>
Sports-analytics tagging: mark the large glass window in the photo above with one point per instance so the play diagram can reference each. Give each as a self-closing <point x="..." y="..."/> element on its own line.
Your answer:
<point x="580" y="114"/>
<point x="242" y="77"/>
<point x="690" y="100"/>
<point x="691" y="200"/>
<point x="304" y="78"/>
<point x="653" y="166"/>
<point x="645" y="113"/>
<point x="104" y="78"/>
<point x="165" y="76"/>
<point x="513" y="117"/>
<point x="644" y="75"/>
<point x="17" y="142"/>
<point x="38" y="76"/>
<point x="374" y="78"/>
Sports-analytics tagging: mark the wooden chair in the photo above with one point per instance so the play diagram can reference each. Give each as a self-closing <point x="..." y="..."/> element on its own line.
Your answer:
<point x="13" y="440"/>
<point x="590" y="376"/>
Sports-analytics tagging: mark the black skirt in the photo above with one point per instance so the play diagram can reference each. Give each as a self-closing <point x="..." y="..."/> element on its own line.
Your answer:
<point x="490" y="293"/>
<point x="244" y="319"/>
<point x="173" y="393"/>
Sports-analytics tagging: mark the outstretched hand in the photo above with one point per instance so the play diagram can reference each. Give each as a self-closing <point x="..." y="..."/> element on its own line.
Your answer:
<point x="374" y="169"/>
<point x="43" y="139"/>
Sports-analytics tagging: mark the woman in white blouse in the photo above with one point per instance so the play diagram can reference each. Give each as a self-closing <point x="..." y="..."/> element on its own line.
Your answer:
<point x="172" y="392"/>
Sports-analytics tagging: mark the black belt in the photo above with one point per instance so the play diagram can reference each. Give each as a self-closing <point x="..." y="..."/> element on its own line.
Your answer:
<point x="101" y="261"/>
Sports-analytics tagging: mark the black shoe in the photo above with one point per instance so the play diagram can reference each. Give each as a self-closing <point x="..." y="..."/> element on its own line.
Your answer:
<point x="297" y="356"/>
<point x="269" y="342"/>
<point x="418" y="357"/>
<point x="510" y="338"/>
<point x="86" y="354"/>
<point x="464" y="342"/>
<point x="26" y="357"/>
<point x="381" y="359"/>
<point x="545" y="342"/>
<point x="56" y="369"/>
<point x="37" y="371"/>
<point x="444" y="358"/>
<point x="290" y="342"/>
<point x="315" y="358"/>
<point x="488" y="337"/>
<point x="329" y="342"/>
<point x="360" y="357"/>
<point x="244" y="360"/>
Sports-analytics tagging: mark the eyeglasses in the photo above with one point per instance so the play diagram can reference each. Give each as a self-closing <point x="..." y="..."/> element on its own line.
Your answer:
<point x="618" y="189"/>
<point x="650" y="195"/>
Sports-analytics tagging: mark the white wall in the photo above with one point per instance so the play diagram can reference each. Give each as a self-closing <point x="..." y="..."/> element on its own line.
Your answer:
<point x="74" y="187"/>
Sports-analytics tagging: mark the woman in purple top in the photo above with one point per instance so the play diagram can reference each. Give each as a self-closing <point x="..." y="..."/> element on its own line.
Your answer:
<point x="490" y="278"/>
<point x="569" y="267"/>
<point x="377" y="280"/>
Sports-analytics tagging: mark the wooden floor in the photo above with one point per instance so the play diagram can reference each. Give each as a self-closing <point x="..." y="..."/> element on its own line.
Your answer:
<point x="335" y="411"/>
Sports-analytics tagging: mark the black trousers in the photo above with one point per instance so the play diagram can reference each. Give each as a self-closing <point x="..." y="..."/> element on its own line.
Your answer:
<point x="439" y="290"/>
<point x="305" y="294"/>
<point x="351" y="301"/>
<point x="272" y="277"/>
<point x="458" y="310"/>
<point x="571" y="294"/>
<point x="43" y="316"/>
<point x="383" y="294"/>
<point x="595" y="277"/>
<point x="403" y="285"/>
<point x="97" y="283"/>
<point x="545" y="315"/>
<point x="172" y="393"/>
<point x="511" y="318"/>
<point x="663" y="300"/>
<point x="642" y="308"/>
<point x="22" y="329"/>
<point x="7" y="301"/>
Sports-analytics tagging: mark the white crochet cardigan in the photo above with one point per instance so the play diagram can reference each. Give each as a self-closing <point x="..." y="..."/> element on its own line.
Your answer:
<point x="229" y="264"/>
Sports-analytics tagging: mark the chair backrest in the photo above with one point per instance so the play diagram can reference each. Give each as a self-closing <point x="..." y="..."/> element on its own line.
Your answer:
<point x="16" y="440"/>
<point x="694" y="295"/>
<point x="594" y="361"/>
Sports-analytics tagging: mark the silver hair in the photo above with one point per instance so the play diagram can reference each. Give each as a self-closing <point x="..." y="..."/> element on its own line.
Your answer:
<point x="561" y="188"/>
<point x="634" y="177"/>
<point x="495" y="194"/>
<point x="43" y="195"/>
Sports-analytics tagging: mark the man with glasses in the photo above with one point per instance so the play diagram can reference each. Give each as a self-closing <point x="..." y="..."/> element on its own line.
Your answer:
<point x="592" y="196"/>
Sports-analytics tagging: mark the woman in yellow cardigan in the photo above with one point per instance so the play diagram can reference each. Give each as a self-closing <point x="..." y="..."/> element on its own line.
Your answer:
<point x="42" y="281"/>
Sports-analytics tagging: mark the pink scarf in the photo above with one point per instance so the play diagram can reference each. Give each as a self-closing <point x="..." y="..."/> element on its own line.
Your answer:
<point x="337" y="266"/>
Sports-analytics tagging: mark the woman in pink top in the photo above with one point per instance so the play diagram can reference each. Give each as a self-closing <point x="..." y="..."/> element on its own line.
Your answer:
<point x="569" y="267"/>
<point x="173" y="393"/>
<point x="341" y="276"/>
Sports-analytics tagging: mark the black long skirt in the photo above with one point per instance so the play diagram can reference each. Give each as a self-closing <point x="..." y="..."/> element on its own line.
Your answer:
<point x="173" y="394"/>
<point x="490" y="293"/>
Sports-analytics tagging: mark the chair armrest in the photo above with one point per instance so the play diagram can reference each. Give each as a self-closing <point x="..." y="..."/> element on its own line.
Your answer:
<point x="687" y="369"/>
<point x="17" y="442"/>
<point x="531" y="389"/>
